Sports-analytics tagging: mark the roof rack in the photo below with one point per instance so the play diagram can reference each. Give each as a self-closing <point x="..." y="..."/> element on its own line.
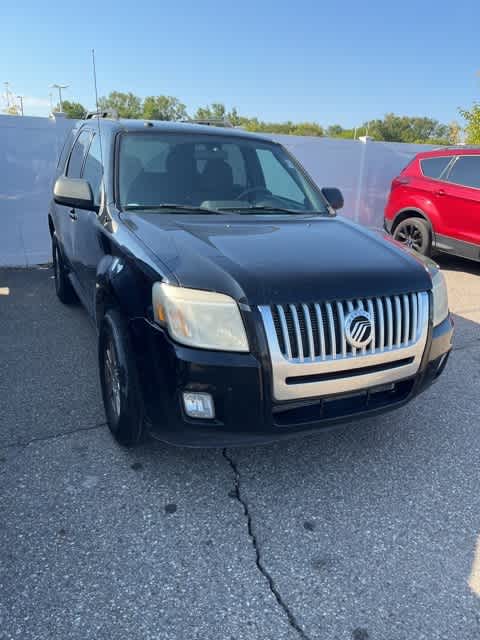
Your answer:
<point x="102" y="113"/>
<point x="210" y="122"/>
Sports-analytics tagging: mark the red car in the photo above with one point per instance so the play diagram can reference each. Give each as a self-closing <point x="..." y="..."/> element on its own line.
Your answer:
<point x="434" y="203"/>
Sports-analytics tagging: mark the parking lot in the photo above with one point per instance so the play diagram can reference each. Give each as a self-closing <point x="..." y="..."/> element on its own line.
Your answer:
<point x="365" y="532"/>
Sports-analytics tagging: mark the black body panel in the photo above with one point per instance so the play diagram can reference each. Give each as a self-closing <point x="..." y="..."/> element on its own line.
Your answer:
<point x="277" y="259"/>
<point x="240" y="385"/>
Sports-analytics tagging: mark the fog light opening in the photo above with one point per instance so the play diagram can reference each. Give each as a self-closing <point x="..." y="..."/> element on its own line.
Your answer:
<point x="198" y="405"/>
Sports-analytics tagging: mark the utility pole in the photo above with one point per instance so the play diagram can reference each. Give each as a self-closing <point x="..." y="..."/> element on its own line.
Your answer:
<point x="7" y="93"/>
<point x="21" y="104"/>
<point x="59" y="87"/>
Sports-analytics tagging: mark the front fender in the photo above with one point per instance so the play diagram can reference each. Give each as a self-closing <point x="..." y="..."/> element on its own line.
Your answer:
<point x="121" y="285"/>
<point x="422" y="206"/>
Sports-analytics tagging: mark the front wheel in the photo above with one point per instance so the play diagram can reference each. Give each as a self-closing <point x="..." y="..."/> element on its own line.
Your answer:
<point x="121" y="391"/>
<point x="415" y="233"/>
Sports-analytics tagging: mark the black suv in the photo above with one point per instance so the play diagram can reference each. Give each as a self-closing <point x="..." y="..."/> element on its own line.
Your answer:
<point x="233" y="305"/>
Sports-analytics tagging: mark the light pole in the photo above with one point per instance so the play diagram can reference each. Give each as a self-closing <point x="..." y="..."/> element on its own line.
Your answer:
<point x="59" y="87"/>
<point x="21" y="104"/>
<point x="7" y="93"/>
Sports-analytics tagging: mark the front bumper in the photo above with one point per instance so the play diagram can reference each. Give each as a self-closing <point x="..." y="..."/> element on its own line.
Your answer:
<point x="241" y="386"/>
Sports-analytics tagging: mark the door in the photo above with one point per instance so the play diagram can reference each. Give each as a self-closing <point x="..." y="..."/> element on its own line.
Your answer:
<point x="67" y="217"/>
<point x="88" y="236"/>
<point x="458" y="202"/>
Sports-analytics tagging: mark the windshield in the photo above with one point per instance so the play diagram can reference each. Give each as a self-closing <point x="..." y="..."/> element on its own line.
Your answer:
<point x="211" y="172"/>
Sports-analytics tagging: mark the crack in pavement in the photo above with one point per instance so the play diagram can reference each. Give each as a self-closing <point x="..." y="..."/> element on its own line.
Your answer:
<point x="258" y="559"/>
<point x="23" y="444"/>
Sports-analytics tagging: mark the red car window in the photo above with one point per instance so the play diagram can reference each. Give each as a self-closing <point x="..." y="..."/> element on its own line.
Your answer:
<point x="434" y="167"/>
<point x="466" y="171"/>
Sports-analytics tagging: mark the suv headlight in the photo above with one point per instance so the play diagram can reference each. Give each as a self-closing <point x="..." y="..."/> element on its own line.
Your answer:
<point x="197" y="318"/>
<point x="440" y="298"/>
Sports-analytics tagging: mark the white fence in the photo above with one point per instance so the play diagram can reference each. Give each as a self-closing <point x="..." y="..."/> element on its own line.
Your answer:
<point x="29" y="148"/>
<point x="28" y="151"/>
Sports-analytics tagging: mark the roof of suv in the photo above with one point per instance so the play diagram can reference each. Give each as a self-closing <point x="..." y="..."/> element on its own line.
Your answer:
<point x="172" y="127"/>
<point x="460" y="150"/>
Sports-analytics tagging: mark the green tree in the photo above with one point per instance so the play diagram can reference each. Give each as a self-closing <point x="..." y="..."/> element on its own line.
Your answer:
<point x="349" y="134"/>
<point x="12" y="110"/>
<point x="73" y="109"/>
<point x="251" y="124"/>
<point x="214" y="111"/>
<point x="234" y="118"/>
<point x="127" y="105"/>
<point x="335" y="131"/>
<point x="164" y="108"/>
<point x="286" y="128"/>
<point x="395" y="128"/>
<point x="472" y="128"/>
<point x="454" y="132"/>
<point x="218" y="111"/>
<point x="307" y="129"/>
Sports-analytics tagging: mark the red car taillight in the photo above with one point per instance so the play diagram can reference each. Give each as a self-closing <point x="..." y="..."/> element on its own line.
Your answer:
<point x="400" y="181"/>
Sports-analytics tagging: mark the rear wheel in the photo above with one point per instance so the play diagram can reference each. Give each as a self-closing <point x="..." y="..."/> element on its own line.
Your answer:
<point x="415" y="233"/>
<point x="63" y="287"/>
<point x="121" y="391"/>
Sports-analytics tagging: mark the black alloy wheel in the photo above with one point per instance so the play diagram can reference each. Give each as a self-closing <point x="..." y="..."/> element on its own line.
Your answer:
<point x="415" y="234"/>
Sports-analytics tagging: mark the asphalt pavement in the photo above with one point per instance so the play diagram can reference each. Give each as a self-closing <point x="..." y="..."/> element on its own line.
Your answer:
<point x="368" y="532"/>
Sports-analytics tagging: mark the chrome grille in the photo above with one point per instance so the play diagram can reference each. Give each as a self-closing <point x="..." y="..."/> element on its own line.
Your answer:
<point x="316" y="332"/>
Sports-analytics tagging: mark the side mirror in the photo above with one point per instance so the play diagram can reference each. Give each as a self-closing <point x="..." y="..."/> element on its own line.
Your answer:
<point x="334" y="197"/>
<point x="74" y="192"/>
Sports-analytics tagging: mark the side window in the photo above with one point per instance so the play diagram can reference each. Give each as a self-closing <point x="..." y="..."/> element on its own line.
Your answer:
<point x="277" y="179"/>
<point x="93" y="170"/>
<point x="466" y="171"/>
<point x="434" y="167"/>
<point x="78" y="154"/>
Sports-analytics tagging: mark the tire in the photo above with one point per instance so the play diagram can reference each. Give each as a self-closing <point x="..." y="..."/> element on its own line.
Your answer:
<point x="122" y="397"/>
<point x="416" y="234"/>
<point x="63" y="287"/>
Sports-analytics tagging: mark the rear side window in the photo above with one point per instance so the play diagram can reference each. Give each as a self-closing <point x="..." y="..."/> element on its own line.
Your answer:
<point x="78" y="154"/>
<point x="466" y="171"/>
<point x="93" y="171"/>
<point x="434" y="167"/>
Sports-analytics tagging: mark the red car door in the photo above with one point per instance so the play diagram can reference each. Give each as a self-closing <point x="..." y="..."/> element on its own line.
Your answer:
<point x="458" y="202"/>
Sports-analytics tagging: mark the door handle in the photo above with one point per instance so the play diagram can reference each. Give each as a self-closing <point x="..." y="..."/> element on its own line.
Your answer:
<point x="440" y="192"/>
<point x="72" y="214"/>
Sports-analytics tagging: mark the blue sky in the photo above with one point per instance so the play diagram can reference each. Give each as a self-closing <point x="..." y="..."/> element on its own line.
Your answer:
<point x="334" y="62"/>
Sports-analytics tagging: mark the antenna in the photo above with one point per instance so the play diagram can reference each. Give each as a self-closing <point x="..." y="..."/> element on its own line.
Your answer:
<point x="96" y="104"/>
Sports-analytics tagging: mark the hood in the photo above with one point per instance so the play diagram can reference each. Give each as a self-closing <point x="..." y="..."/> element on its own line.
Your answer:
<point x="266" y="259"/>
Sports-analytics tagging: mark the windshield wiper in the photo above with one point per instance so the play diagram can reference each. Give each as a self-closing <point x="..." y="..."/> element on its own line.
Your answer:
<point x="175" y="207"/>
<point x="267" y="208"/>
